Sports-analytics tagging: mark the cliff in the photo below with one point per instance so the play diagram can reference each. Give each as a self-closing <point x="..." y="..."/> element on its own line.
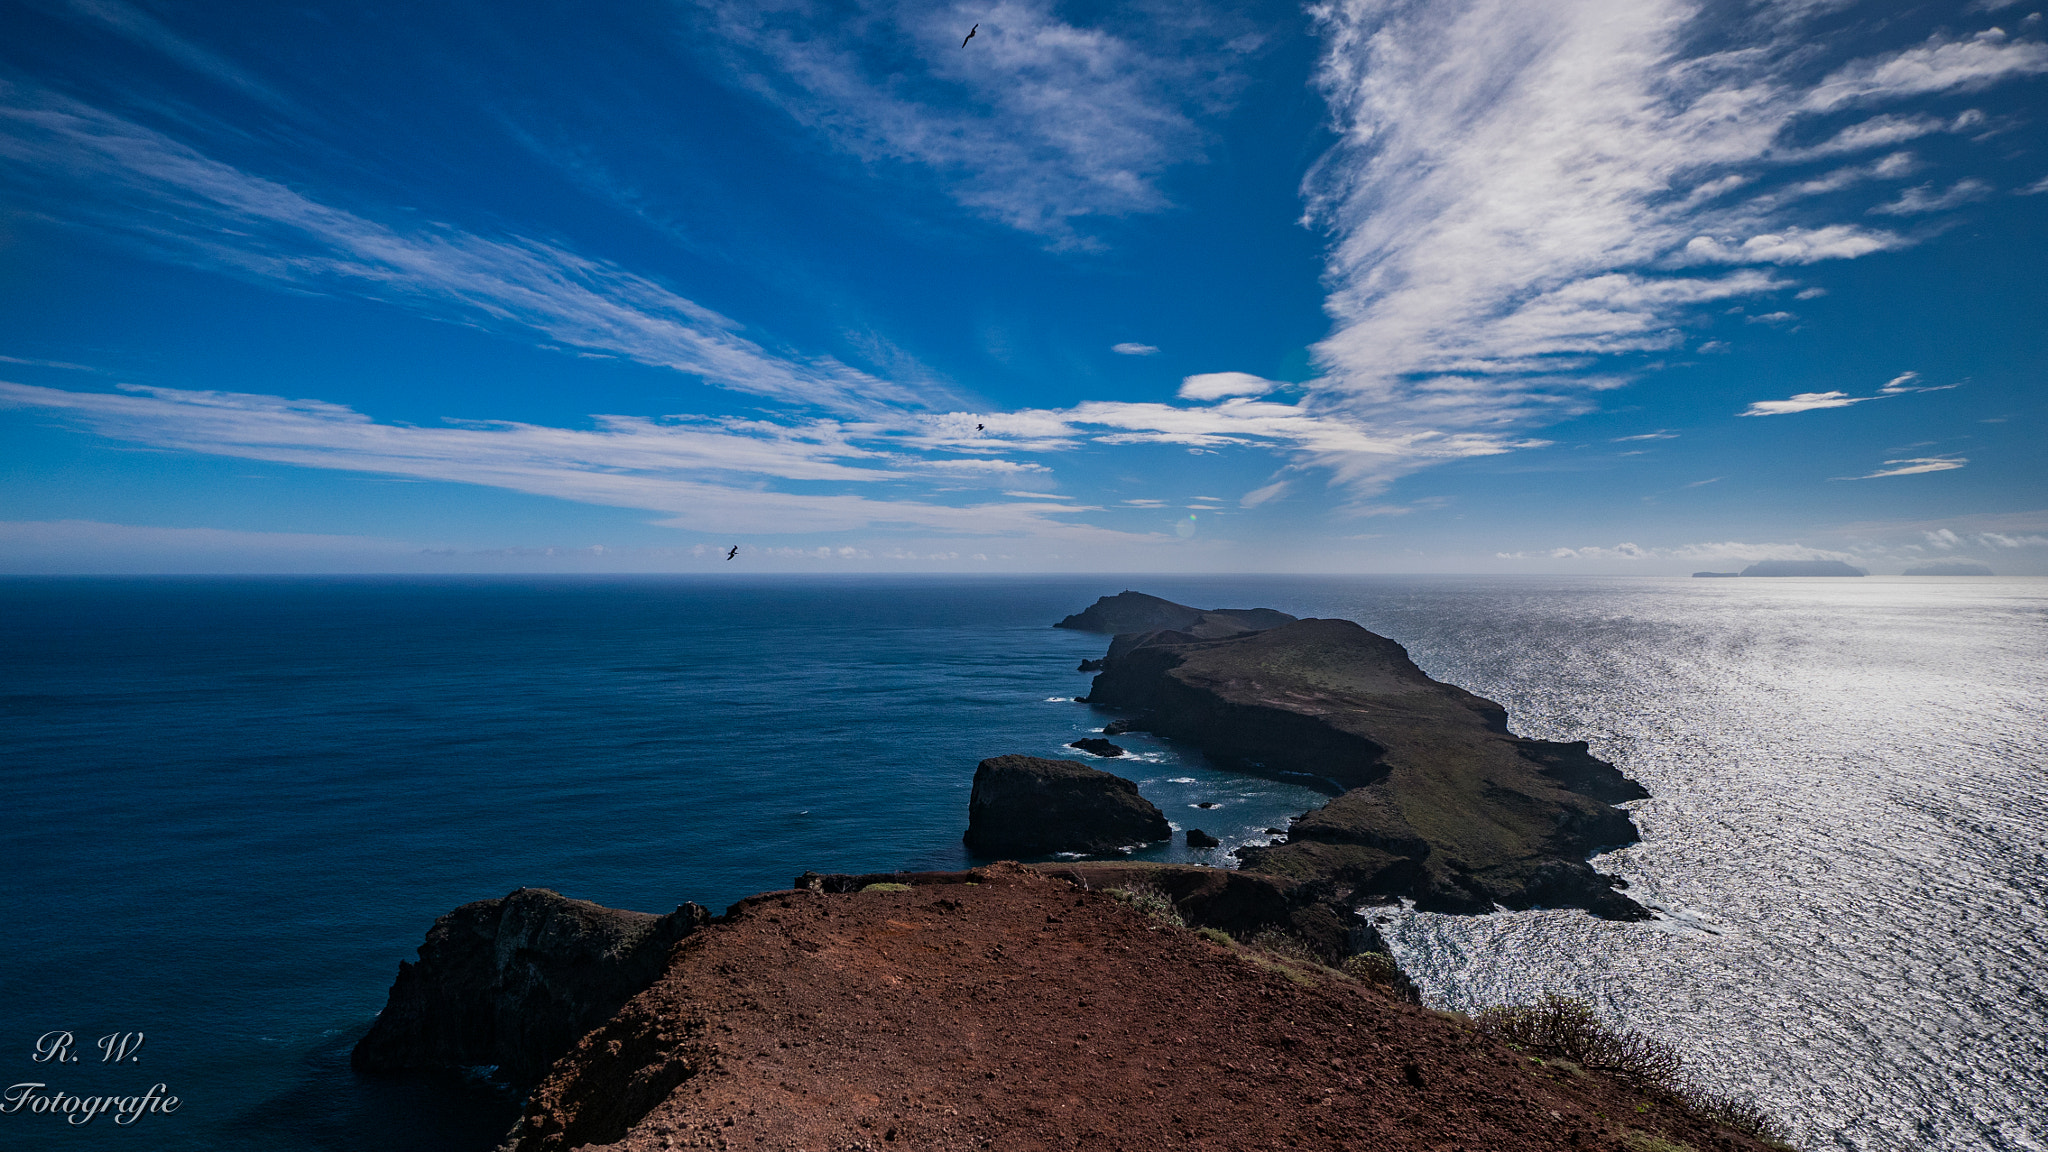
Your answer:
<point x="513" y="982"/>
<point x="1010" y="1009"/>
<point x="1436" y="800"/>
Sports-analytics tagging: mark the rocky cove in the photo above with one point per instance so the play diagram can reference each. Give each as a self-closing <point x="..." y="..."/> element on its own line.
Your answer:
<point x="1085" y="1003"/>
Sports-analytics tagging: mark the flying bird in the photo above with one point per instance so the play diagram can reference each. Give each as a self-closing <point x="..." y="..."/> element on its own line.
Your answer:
<point x="735" y="551"/>
<point x="970" y="35"/>
<point x="981" y="427"/>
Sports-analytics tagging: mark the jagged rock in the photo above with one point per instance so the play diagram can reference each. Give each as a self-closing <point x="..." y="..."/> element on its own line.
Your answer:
<point x="1089" y="666"/>
<point x="1097" y="745"/>
<point x="514" y="982"/>
<point x="1436" y="800"/>
<point x="1136" y="612"/>
<point x="1028" y="806"/>
<point x="1200" y="839"/>
<point x="1116" y="728"/>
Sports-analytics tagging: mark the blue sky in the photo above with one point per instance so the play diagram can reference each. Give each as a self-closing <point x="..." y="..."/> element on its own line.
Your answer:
<point x="1449" y="286"/>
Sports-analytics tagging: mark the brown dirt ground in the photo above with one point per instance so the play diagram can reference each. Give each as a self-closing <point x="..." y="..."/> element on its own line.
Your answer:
<point x="1021" y="1013"/>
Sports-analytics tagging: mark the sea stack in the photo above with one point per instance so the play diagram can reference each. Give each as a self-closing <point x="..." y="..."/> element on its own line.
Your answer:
<point x="1028" y="806"/>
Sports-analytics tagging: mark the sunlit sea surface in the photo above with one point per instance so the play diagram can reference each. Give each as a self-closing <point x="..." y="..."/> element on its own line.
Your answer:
<point x="232" y="806"/>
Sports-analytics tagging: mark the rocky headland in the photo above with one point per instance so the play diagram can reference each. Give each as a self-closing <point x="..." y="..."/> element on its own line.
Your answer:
<point x="1436" y="800"/>
<point x="1087" y="1003"/>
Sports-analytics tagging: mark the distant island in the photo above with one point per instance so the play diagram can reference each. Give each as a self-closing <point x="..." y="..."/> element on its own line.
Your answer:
<point x="1696" y="574"/>
<point x="1802" y="568"/>
<point x="1950" y="568"/>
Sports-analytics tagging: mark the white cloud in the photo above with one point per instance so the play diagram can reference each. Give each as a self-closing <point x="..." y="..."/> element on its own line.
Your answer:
<point x="1903" y="384"/>
<point x="702" y="475"/>
<point x="1943" y="538"/>
<point x="2034" y="189"/>
<point x="1261" y="495"/>
<point x="1915" y="466"/>
<point x="1659" y="434"/>
<point x="1217" y="385"/>
<point x="2000" y="540"/>
<point x="1811" y="293"/>
<point x="1038" y="122"/>
<point x="1940" y="65"/>
<point x="1519" y="183"/>
<point x="1915" y="201"/>
<point x="1128" y="349"/>
<point x="127" y="180"/>
<point x="1792" y="246"/>
<point x="1802" y="402"/>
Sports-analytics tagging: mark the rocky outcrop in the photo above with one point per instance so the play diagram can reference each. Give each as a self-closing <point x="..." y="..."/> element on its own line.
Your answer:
<point x="1199" y="839"/>
<point x="1025" y="1008"/>
<point x="1436" y="800"/>
<point x="1028" y="806"/>
<point x="1136" y="612"/>
<point x="1097" y="746"/>
<point x="514" y="982"/>
<point x="1802" y="568"/>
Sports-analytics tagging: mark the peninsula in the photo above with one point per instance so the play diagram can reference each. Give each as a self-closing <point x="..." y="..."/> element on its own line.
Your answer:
<point x="1436" y="801"/>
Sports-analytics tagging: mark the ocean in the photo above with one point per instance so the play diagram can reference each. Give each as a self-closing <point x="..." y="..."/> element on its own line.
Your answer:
<point x="233" y="805"/>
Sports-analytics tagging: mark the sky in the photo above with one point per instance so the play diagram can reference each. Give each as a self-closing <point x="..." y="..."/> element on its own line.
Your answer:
<point x="1495" y="286"/>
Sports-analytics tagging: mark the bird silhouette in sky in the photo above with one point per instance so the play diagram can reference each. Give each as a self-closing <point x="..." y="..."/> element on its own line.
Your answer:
<point x="735" y="551"/>
<point x="980" y="427"/>
<point x="970" y="35"/>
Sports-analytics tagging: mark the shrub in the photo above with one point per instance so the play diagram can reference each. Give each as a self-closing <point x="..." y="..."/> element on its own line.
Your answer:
<point x="1151" y="901"/>
<point x="1566" y="1027"/>
<point x="1287" y="944"/>
<point x="887" y="886"/>
<point x="1373" y="968"/>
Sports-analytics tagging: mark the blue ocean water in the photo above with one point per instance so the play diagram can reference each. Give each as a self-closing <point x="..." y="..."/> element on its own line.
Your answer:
<point x="233" y="805"/>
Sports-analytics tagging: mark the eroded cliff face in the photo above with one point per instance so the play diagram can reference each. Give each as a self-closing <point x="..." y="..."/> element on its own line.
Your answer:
<point x="513" y="982"/>
<point x="1435" y="800"/>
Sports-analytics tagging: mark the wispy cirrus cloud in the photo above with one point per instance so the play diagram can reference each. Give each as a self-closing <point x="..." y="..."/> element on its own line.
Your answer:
<point x="1923" y="199"/>
<point x="1903" y="384"/>
<point x="84" y="166"/>
<point x="1914" y="466"/>
<point x="706" y="475"/>
<point x="1040" y="121"/>
<point x="1527" y="189"/>
<point x="721" y="472"/>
